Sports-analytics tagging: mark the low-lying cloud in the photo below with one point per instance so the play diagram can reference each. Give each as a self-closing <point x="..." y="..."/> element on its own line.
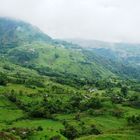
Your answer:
<point x="108" y="20"/>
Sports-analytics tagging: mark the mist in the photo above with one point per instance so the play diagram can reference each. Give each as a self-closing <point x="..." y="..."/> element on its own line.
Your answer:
<point x="106" y="20"/>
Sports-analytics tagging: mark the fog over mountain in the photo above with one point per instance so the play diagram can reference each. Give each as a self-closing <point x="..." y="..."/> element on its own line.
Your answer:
<point x="106" y="20"/>
<point x="69" y="70"/>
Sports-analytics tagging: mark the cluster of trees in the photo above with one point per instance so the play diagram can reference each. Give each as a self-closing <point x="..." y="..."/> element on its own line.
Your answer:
<point x="134" y="101"/>
<point x="7" y="67"/>
<point x="5" y="135"/>
<point x="23" y="133"/>
<point x="28" y="80"/>
<point x="50" y="105"/>
<point x="134" y="120"/>
<point x="117" y="113"/>
<point x="104" y="84"/>
<point x="13" y="98"/>
<point x="123" y="98"/>
<point x="71" y="132"/>
<point x="23" y="56"/>
<point x="118" y="97"/>
<point x="34" y="82"/>
<point x="64" y="77"/>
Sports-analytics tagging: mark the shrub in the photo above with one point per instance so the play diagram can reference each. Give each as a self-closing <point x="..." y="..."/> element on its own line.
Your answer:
<point x="95" y="112"/>
<point x="94" y="130"/>
<point x="117" y="99"/>
<point x="3" y="79"/>
<point x="117" y="113"/>
<point x="124" y="91"/>
<point x="40" y="128"/>
<point x="133" y="120"/>
<point x="94" y="103"/>
<point x="134" y="101"/>
<point x="70" y="132"/>
<point x="56" y="137"/>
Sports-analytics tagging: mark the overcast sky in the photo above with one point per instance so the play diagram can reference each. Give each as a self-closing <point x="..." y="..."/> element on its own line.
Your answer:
<point x="108" y="20"/>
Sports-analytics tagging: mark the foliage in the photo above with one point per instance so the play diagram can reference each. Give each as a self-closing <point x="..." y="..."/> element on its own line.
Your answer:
<point x="3" y="79"/>
<point x="134" y="120"/>
<point x="52" y="89"/>
<point x="70" y="132"/>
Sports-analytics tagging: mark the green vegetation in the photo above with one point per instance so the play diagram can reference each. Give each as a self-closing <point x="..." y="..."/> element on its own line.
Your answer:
<point x="54" y="90"/>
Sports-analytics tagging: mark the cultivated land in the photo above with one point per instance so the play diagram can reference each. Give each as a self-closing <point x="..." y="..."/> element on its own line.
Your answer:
<point x="55" y="90"/>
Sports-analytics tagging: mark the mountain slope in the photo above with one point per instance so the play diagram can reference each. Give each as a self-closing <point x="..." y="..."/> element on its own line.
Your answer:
<point x="15" y="32"/>
<point x="27" y="46"/>
<point x="52" y="89"/>
<point x="125" y="57"/>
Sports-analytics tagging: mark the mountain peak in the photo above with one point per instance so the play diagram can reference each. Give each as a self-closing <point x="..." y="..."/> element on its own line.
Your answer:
<point x="14" y="32"/>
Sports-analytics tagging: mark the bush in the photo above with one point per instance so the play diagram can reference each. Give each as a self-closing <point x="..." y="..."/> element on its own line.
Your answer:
<point x="133" y="120"/>
<point x="38" y="113"/>
<point x="117" y="99"/>
<point x="3" y="79"/>
<point x="7" y="67"/>
<point x="94" y="103"/>
<point x="94" y="130"/>
<point x="117" y="113"/>
<point x="56" y="137"/>
<point x="70" y="132"/>
<point x="39" y="128"/>
<point x="95" y="112"/>
<point x="124" y="91"/>
<point x="134" y="101"/>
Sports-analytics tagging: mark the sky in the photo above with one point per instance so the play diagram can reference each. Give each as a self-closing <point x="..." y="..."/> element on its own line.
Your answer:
<point x="106" y="20"/>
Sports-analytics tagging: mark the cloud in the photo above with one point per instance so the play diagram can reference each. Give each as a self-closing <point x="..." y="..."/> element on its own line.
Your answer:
<point x="108" y="20"/>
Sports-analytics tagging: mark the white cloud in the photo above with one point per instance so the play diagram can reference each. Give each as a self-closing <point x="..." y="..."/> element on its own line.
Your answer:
<point x="109" y="20"/>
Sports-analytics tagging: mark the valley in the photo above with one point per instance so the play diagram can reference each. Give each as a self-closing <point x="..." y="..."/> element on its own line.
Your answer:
<point x="59" y="90"/>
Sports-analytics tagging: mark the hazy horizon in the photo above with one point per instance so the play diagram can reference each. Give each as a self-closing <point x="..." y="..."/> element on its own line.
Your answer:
<point x="103" y="20"/>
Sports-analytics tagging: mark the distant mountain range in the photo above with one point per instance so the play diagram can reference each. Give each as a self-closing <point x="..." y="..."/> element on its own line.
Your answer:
<point x="127" y="52"/>
<point x="25" y="45"/>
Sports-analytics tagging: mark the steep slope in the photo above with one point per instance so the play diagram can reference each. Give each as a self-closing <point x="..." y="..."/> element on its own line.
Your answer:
<point x="52" y="89"/>
<point x="128" y="52"/>
<point x="124" y="57"/>
<point x="27" y="46"/>
<point x="15" y="32"/>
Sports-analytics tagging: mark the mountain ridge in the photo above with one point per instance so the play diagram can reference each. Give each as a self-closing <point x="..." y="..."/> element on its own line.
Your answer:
<point x="56" y="90"/>
<point x="32" y="48"/>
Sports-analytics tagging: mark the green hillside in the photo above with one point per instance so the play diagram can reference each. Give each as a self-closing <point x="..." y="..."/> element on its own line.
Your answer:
<point x="55" y="90"/>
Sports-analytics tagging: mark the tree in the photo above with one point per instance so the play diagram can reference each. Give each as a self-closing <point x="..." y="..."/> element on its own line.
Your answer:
<point x="94" y="130"/>
<point x="56" y="137"/>
<point x="94" y="103"/>
<point x="70" y="132"/>
<point x="117" y="99"/>
<point x="75" y="101"/>
<point x="3" y="79"/>
<point x="40" y="112"/>
<point x="124" y="91"/>
<point x="117" y="113"/>
<point x="40" y="128"/>
<point x="133" y="120"/>
<point x="134" y="101"/>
